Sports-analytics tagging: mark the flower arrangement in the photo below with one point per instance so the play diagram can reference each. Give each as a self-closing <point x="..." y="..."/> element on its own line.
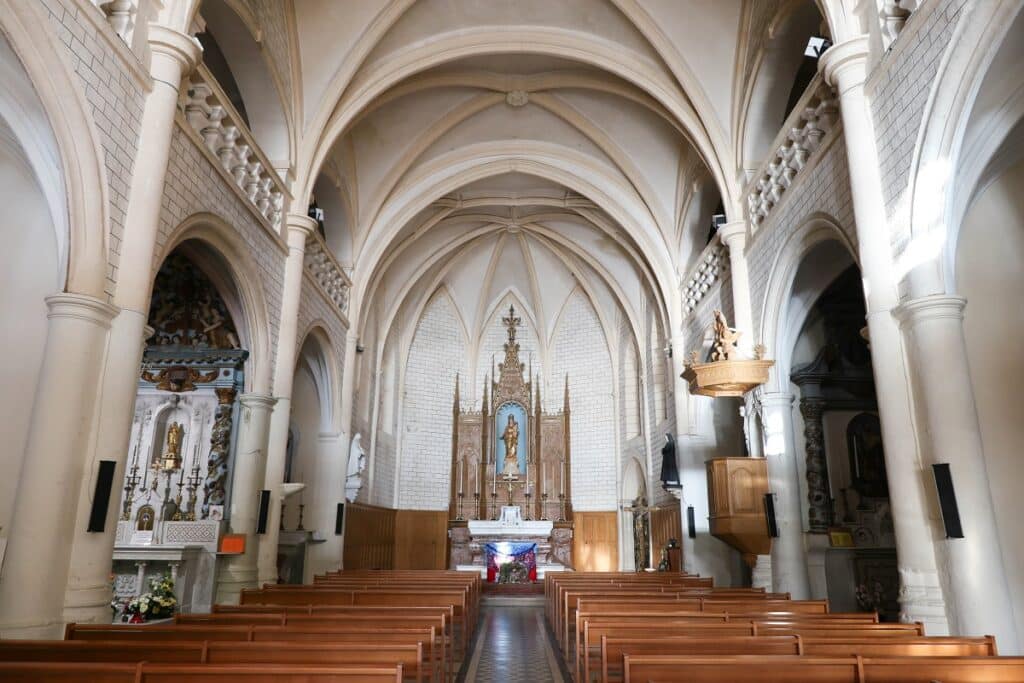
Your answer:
<point x="158" y="603"/>
<point x="513" y="572"/>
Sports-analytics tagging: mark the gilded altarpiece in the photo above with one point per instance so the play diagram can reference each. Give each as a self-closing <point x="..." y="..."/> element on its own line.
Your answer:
<point x="484" y="476"/>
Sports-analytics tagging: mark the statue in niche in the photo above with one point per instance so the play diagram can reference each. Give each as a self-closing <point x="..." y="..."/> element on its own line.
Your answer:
<point x="641" y="534"/>
<point x="511" y="439"/>
<point x="867" y="456"/>
<point x="356" y="465"/>
<point x="172" y="454"/>
<point x="726" y="339"/>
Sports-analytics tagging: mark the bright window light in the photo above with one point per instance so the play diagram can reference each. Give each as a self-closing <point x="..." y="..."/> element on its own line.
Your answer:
<point x="816" y="45"/>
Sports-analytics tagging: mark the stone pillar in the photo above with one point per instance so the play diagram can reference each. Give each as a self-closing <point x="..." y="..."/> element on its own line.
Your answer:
<point x="819" y="496"/>
<point x="175" y="54"/>
<point x="299" y="228"/>
<point x="761" y="573"/>
<point x="327" y="556"/>
<point x="35" y="569"/>
<point x="977" y="589"/>
<point x="788" y="559"/>
<point x="844" y="66"/>
<point x="734" y="236"/>
<point x="239" y="571"/>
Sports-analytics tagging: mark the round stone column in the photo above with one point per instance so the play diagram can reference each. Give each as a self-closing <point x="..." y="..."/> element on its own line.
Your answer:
<point x="978" y="591"/>
<point x="174" y="55"/>
<point x="788" y="559"/>
<point x="35" y="569"/>
<point x="845" y="67"/>
<point x="239" y="571"/>
<point x="299" y="228"/>
<point x="734" y="236"/>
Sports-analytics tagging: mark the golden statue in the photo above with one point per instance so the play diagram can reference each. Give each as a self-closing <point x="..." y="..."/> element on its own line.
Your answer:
<point x="726" y="339"/>
<point x="511" y="439"/>
<point x="172" y="455"/>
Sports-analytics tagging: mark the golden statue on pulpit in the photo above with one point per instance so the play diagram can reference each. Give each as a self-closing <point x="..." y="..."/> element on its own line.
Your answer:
<point x="511" y="439"/>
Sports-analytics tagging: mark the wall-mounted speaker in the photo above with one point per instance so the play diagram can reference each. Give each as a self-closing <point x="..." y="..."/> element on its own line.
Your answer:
<point x="769" y="513"/>
<point x="261" y="520"/>
<point x="947" y="500"/>
<point x="691" y="523"/>
<point x="101" y="497"/>
<point x="339" y="518"/>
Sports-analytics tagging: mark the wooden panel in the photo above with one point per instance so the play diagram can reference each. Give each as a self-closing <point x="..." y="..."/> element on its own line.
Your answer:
<point x="665" y="524"/>
<point x="369" y="537"/>
<point x="595" y="545"/>
<point x="421" y="538"/>
<point x="736" y="488"/>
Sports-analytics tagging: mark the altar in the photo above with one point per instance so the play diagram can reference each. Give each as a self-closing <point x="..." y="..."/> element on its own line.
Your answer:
<point x="483" y="545"/>
<point x="510" y="472"/>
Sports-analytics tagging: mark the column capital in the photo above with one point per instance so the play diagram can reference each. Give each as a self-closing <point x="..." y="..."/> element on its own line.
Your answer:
<point x="934" y="307"/>
<point x="82" y="307"/>
<point x="775" y="399"/>
<point x="174" y="54"/>
<point x="300" y="227"/>
<point x="844" y="65"/>
<point x="734" y="235"/>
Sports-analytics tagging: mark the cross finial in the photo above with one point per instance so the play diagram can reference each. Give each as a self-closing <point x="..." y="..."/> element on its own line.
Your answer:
<point x="511" y="322"/>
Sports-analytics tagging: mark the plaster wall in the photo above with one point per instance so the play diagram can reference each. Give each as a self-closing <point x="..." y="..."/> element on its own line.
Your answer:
<point x="989" y="270"/>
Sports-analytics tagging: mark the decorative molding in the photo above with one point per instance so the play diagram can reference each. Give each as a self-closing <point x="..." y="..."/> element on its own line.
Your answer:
<point x="711" y="266"/>
<point x="814" y="116"/>
<point x="820" y="512"/>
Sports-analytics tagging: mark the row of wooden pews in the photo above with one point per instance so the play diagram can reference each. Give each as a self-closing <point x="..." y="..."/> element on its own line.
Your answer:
<point x="349" y="627"/>
<point x="659" y="627"/>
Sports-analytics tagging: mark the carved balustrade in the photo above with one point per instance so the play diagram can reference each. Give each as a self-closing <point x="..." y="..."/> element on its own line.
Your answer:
<point x="121" y="15"/>
<point x="327" y="272"/>
<point x="712" y="264"/>
<point x="807" y="125"/>
<point x="209" y="112"/>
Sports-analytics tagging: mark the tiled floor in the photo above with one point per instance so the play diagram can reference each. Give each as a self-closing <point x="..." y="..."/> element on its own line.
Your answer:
<point x="513" y="646"/>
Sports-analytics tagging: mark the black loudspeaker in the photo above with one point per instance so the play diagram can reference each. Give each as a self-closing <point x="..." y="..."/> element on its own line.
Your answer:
<point x="339" y="517"/>
<point x="691" y="524"/>
<point x="947" y="500"/>
<point x="769" y="513"/>
<point x="261" y="520"/>
<point x="101" y="499"/>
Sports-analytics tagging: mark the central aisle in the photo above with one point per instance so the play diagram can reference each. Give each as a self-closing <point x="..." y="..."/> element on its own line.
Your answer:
<point x="513" y="644"/>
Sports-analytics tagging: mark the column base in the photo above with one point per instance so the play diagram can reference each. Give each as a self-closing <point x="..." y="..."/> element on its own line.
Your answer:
<point x="231" y="581"/>
<point x="32" y="630"/>
<point x="761" y="574"/>
<point x="921" y="600"/>
<point x="88" y="605"/>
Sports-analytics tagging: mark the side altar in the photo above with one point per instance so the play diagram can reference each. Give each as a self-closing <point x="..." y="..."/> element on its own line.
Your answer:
<point x="511" y="468"/>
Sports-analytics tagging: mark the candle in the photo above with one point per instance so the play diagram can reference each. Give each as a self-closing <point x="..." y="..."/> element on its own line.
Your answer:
<point x="477" y="482"/>
<point x="460" y="477"/>
<point x="543" y="481"/>
<point x="135" y="457"/>
<point x="563" y="478"/>
<point x="494" y="481"/>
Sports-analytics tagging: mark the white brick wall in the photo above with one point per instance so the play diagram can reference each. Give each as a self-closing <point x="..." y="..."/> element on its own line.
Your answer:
<point x="579" y="349"/>
<point x="821" y="190"/>
<point x="438" y="352"/>
<point x="116" y="99"/>
<point x="192" y="186"/>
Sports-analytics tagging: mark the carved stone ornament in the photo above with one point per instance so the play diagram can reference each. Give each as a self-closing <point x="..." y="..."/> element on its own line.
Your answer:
<point x="178" y="378"/>
<point x="726" y="375"/>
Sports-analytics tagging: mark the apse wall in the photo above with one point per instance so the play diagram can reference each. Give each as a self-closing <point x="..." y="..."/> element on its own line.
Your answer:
<point x="579" y="349"/>
<point x="437" y="354"/>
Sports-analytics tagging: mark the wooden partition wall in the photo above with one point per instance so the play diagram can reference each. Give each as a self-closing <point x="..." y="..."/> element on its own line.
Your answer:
<point x="421" y="539"/>
<point x="595" y="545"/>
<point x="382" y="538"/>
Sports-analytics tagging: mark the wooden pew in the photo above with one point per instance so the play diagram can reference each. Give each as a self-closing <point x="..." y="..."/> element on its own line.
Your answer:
<point x="36" y="672"/>
<point x="739" y="669"/>
<point x="415" y="664"/>
<point x="357" y="634"/>
<point x="614" y="649"/>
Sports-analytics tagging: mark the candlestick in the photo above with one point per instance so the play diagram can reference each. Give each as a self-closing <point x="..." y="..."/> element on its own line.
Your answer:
<point x="544" y="506"/>
<point x="302" y="510"/>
